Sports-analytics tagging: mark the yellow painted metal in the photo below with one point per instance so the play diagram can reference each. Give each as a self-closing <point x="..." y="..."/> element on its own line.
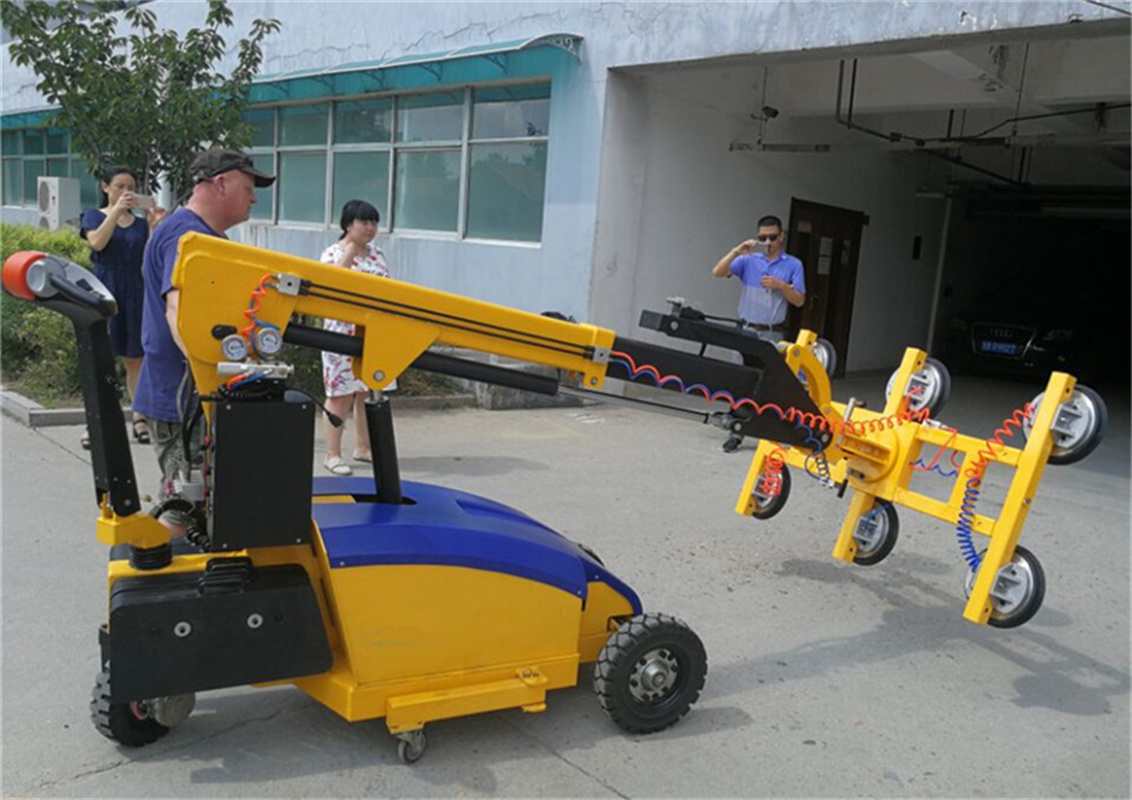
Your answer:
<point x="140" y="530"/>
<point x="406" y="620"/>
<point x="216" y="279"/>
<point x="1020" y="495"/>
<point x="873" y="454"/>
<point x="603" y="605"/>
<point x="527" y="690"/>
<point x="341" y="692"/>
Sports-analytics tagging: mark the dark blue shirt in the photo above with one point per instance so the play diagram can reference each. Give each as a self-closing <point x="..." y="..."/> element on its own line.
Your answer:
<point x="165" y="366"/>
<point x="123" y="253"/>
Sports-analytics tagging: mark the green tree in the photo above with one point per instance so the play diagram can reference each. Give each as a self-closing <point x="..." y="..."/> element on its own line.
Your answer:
<point x="147" y="98"/>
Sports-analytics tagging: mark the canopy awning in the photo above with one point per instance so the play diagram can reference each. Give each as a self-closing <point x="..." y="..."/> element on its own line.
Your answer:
<point x="519" y="58"/>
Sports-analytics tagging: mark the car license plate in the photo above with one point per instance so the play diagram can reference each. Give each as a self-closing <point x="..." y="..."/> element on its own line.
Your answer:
<point x="1001" y="348"/>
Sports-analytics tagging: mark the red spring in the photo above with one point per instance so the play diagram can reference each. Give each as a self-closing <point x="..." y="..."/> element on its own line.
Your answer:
<point x="816" y="422"/>
<point x="253" y="305"/>
<point x="985" y="456"/>
<point x="770" y="482"/>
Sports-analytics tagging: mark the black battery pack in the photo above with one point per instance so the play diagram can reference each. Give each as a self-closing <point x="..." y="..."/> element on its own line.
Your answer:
<point x="261" y="487"/>
<point x="229" y="625"/>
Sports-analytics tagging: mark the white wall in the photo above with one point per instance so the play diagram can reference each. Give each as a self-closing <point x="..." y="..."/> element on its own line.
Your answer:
<point x="674" y="200"/>
<point x="557" y="273"/>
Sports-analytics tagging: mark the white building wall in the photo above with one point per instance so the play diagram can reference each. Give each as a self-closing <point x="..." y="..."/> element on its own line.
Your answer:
<point x="678" y="200"/>
<point x="556" y="274"/>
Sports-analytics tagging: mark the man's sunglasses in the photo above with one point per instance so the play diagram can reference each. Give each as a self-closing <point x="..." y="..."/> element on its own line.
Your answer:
<point x="768" y="237"/>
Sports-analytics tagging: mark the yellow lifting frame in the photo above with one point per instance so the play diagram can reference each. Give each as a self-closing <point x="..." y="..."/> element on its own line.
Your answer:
<point x="404" y="318"/>
<point x="876" y="461"/>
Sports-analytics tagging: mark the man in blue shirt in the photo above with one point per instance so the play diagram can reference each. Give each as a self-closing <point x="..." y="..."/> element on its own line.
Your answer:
<point x="771" y="278"/>
<point x="224" y="183"/>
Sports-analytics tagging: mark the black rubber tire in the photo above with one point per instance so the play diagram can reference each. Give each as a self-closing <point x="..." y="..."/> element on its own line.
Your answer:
<point x="614" y="672"/>
<point x="777" y="503"/>
<point x="410" y="754"/>
<point x="885" y="547"/>
<point x="1025" y="612"/>
<point x="117" y="721"/>
<point x="944" y="387"/>
<point x="828" y="345"/>
<point x="944" y="393"/>
<point x="1095" y="436"/>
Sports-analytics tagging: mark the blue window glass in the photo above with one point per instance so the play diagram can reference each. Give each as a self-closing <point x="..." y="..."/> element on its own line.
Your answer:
<point x="303" y="125"/>
<point x="262" y="121"/>
<point x="302" y="187"/>
<point x="11" y="142"/>
<point x="505" y="191"/>
<point x="33" y="141"/>
<point x="57" y="141"/>
<point x="89" y="195"/>
<point x="436" y="117"/>
<point x="428" y="190"/>
<point x="511" y="112"/>
<point x="361" y="176"/>
<point x="33" y="168"/>
<point x="363" y="121"/>
<point x="13" y="173"/>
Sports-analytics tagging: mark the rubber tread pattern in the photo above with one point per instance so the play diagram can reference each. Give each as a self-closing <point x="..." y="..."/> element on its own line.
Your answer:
<point x="617" y="658"/>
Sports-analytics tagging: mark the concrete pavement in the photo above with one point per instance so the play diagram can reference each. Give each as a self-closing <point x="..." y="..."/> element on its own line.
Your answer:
<point x="824" y="679"/>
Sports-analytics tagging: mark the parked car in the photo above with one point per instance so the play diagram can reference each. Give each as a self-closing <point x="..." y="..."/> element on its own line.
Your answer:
<point x="1011" y="348"/>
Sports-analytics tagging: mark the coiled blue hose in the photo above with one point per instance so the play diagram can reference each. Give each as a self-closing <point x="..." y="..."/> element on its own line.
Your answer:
<point x="965" y="524"/>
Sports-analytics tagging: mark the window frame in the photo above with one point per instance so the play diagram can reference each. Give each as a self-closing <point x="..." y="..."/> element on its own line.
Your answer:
<point x="393" y="148"/>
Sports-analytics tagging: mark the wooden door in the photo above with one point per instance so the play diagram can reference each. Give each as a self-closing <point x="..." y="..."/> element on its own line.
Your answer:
<point x="827" y="240"/>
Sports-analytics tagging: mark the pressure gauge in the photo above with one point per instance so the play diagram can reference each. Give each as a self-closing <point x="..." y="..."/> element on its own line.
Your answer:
<point x="234" y="347"/>
<point x="268" y="341"/>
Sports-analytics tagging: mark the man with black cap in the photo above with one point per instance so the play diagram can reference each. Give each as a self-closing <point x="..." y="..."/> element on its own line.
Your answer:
<point x="224" y="183"/>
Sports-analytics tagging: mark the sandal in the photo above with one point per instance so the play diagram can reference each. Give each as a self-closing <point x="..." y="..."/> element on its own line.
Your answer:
<point x="336" y="466"/>
<point x="365" y="458"/>
<point x="141" y="435"/>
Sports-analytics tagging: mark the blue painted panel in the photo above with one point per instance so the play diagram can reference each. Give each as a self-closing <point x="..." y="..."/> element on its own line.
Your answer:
<point x="449" y="527"/>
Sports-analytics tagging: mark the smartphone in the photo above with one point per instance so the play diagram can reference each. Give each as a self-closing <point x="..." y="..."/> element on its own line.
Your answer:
<point x="144" y="201"/>
<point x="761" y="247"/>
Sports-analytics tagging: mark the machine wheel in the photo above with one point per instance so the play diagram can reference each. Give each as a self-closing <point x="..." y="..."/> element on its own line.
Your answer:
<point x="876" y="534"/>
<point x="126" y="723"/>
<point x="934" y="383"/>
<point x="412" y="746"/>
<point x="767" y="506"/>
<point x="650" y="672"/>
<point x="1018" y="590"/>
<point x="826" y="354"/>
<point x="1078" y="428"/>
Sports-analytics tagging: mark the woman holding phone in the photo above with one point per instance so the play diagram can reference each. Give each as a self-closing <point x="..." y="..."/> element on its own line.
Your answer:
<point x="117" y="240"/>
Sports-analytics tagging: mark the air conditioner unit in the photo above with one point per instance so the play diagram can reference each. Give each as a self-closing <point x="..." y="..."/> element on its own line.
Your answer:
<point x="58" y="202"/>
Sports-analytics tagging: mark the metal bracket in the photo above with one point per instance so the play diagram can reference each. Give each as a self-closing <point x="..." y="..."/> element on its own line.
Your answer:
<point x="289" y="285"/>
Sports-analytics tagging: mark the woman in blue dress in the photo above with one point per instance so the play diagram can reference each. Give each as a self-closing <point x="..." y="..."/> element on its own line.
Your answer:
<point x="117" y="242"/>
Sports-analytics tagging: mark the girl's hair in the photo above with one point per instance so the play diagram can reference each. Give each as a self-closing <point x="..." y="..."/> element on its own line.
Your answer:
<point x="109" y="174"/>
<point x="357" y="209"/>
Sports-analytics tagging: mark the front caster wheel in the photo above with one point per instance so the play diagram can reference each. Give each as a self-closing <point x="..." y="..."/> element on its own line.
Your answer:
<point x="876" y="534"/>
<point x="130" y="723"/>
<point x="412" y="746"/>
<point x="1018" y="589"/>
<point x="650" y="672"/>
<point x="768" y="501"/>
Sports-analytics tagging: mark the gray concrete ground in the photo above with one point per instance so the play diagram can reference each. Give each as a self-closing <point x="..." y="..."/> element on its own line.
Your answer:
<point x="825" y="679"/>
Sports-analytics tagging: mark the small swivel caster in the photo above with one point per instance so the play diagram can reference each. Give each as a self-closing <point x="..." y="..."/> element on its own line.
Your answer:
<point x="412" y="745"/>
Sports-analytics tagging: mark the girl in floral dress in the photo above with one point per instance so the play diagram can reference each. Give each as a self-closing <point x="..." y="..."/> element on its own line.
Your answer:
<point x="353" y="250"/>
